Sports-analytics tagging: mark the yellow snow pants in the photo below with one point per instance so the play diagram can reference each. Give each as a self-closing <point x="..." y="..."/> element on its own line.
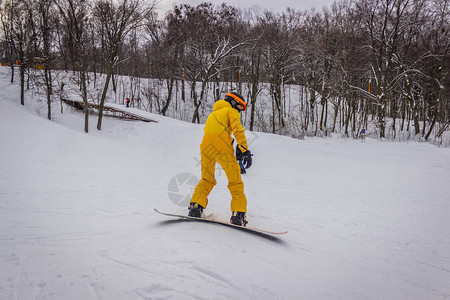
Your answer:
<point x="231" y="167"/>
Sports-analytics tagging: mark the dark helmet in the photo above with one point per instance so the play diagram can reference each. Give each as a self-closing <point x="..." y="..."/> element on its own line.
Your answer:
<point x="236" y="101"/>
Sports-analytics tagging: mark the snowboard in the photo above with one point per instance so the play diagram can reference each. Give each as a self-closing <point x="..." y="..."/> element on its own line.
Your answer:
<point x="211" y="219"/>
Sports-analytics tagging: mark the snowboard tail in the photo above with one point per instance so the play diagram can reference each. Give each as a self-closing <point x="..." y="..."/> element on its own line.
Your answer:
<point x="212" y="219"/>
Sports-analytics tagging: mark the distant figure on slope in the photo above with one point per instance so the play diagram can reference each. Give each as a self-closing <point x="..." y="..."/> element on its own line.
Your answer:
<point x="217" y="146"/>
<point x="128" y="102"/>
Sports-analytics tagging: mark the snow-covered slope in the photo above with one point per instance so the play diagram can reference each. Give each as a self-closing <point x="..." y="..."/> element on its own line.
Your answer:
<point x="366" y="220"/>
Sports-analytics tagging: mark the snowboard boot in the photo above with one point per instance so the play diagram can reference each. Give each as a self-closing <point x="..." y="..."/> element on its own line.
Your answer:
<point x="238" y="218"/>
<point x="195" y="210"/>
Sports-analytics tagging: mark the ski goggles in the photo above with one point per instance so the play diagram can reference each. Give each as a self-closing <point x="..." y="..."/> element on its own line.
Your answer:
<point x="240" y="104"/>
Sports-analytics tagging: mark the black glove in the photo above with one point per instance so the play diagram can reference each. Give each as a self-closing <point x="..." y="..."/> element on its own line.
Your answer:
<point x="247" y="159"/>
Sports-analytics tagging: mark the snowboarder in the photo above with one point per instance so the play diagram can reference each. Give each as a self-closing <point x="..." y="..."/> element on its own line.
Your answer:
<point x="217" y="146"/>
<point x="128" y="102"/>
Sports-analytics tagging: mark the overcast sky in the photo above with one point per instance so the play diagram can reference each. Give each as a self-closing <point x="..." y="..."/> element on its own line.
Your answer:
<point x="275" y="5"/>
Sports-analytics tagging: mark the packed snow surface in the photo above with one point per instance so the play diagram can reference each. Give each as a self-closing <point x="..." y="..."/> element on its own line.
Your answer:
<point x="366" y="220"/>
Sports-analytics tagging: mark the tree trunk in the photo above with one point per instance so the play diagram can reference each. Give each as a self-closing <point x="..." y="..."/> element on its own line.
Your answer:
<point x="196" y="116"/>
<point x="49" y="92"/>
<point x="22" y="84"/>
<point x="170" y="83"/>
<point x="382" y="117"/>
<point x="102" y="100"/>
<point x="253" y="95"/>
<point x="323" y="114"/>
<point x="85" y="100"/>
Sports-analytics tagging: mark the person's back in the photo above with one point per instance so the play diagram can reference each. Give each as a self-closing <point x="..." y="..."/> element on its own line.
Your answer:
<point x="221" y="123"/>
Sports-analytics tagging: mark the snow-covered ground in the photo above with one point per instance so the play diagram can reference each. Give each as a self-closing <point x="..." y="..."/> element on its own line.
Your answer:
<point x="366" y="220"/>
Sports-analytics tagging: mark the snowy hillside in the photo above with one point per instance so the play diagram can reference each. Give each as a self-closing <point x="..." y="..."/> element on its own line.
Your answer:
<point x="365" y="220"/>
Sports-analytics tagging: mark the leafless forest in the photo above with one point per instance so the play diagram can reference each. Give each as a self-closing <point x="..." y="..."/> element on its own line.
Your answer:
<point x="380" y="65"/>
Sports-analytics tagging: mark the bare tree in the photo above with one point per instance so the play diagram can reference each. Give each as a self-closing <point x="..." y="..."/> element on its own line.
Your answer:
<point x="165" y="49"/>
<point x="438" y="63"/>
<point x="202" y="38"/>
<point x="114" y="21"/>
<point x="18" y="25"/>
<point x="73" y="15"/>
<point x="253" y="60"/>
<point x="280" y="54"/>
<point x="44" y="9"/>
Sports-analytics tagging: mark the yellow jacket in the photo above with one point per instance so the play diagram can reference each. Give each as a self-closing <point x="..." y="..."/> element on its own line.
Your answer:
<point x="223" y="121"/>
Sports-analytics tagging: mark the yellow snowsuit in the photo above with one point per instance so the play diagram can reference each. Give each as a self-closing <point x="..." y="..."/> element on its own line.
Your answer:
<point x="217" y="146"/>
